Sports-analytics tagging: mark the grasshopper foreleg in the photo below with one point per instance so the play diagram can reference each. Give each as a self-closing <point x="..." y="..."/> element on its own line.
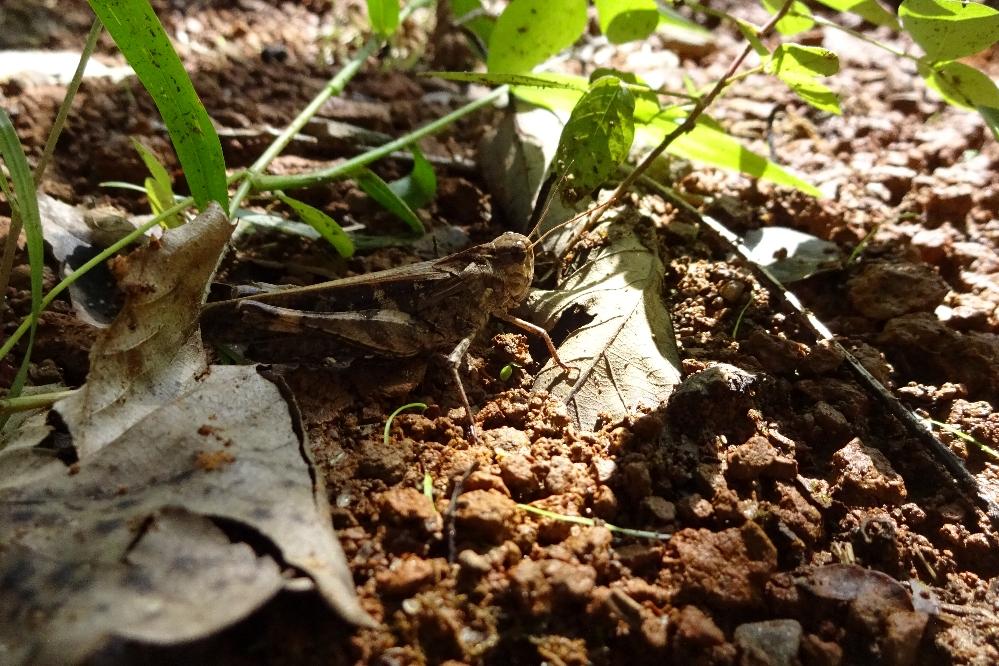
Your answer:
<point x="538" y="331"/>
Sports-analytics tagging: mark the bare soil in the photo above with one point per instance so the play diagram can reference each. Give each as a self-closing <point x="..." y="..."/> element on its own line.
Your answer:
<point x="808" y="525"/>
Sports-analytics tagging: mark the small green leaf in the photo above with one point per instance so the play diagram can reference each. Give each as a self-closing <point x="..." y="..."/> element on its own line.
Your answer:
<point x="528" y="32"/>
<point x="158" y="187"/>
<point x="798" y="66"/>
<point x="627" y="20"/>
<point x="321" y="222"/>
<point x="23" y="200"/>
<point x="869" y="10"/>
<point x="384" y="16"/>
<point x="379" y="190"/>
<point x="950" y="29"/>
<point x="798" y="19"/>
<point x="420" y="187"/>
<point x="991" y="117"/>
<point x="506" y="372"/>
<point x="960" y="84"/>
<point x="144" y="43"/>
<point x="965" y="86"/>
<point x="749" y="31"/>
<point x="596" y="139"/>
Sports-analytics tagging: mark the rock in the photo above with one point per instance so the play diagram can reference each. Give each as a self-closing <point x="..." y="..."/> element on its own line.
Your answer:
<point x="896" y="179"/>
<point x="777" y="355"/>
<point x="948" y="203"/>
<point x="935" y="245"/>
<point x="637" y="480"/>
<point x="405" y="505"/>
<point x="404" y="576"/>
<point x="480" y="480"/>
<point x="866" y="477"/>
<point x="928" y="350"/>
<point x="505" y="438"/>
<point x="486" y="513"/>
<point x="696" y="628"/>
<point x="718" y="398"/>
<point x="563" y="475"/>
<point x="660" y="510"/>
<point x="903" y="636"/>
<point x="640" y="556"/>
<point x="884" y="290"/>
<point x="758" y="457"/>
<point x="727" y="570"/>
<point x="517" y="472"/>
<point x="771" y="643"/>
<point x="817" y="652"/>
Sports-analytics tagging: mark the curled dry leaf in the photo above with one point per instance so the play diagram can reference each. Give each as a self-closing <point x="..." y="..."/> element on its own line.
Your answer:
<point x="626" y="352"/>
<point x="125" y="544"/>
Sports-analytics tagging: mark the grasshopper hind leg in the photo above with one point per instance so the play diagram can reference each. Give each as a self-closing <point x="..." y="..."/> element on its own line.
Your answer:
<point x="454" y="360"/>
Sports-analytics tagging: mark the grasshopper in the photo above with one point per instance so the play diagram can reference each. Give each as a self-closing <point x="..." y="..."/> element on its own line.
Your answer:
<point x="431" y="306"/>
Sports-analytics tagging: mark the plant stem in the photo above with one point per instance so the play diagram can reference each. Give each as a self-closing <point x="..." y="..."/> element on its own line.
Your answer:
<point x="864" y="38"/>
<point x="266" y="183"/>
<point x="37" y="401"/>
<point x="333" y="87"/>
<point x="67" y="101"/>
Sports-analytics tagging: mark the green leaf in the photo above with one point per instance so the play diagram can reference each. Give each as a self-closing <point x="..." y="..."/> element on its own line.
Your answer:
<point x="528" y="32"/>
<point x="480" y="25"/>
<point x="798" y="66"/>
<point x="142" y="40"/>
<point x="420" y="186"/>
<point x="869" y="10"/>
<point x="798" y="19"/>
<point x="964" y="86"/>
<point x="379" y="190"/>
<point x="597" y="138"/>
<point x="384" y="16"/>
<point x="991" y="116"/>
<point x="321" y="222"/>
<point x="960" y="84"/>
<point x="158" y="188"/>
<point x="703" y="144"/>
<point x="749" y="31"/>
<point x="23" y="200"/>
<point x="950" y="29"/>
<point x="627" y="20"/>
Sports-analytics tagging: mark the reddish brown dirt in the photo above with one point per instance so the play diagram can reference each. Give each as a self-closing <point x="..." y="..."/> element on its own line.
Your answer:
<point x="807" y="525"/>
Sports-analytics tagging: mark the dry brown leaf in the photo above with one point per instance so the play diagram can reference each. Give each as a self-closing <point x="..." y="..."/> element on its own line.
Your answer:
<point x="125" y="545"/>
<point x="626" y="354"/>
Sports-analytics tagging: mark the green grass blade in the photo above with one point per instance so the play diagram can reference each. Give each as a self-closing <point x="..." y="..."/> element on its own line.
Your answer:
<point x="321" y="222"/>
<point x="379" y="190"/>
<point x="144" y="43"/>
<point x="20" y="192"/>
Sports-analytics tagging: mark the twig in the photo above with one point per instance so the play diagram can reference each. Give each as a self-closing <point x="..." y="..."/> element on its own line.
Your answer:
<point x="459" y="488"/>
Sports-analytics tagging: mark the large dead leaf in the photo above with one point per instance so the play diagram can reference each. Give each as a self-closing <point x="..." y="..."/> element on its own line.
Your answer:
<point x="622" y="340"/>
<point x="127" y="543"/>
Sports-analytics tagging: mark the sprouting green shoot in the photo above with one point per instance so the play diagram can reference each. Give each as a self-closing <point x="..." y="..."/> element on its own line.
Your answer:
<point x="957" y="432"/>
<point x="590" y="522"/>
<point x="428" y="489"/>
<point x="506" y="372"/>
<point x="870" y="235"/>
<point x="388" y="423"/>
<point x="742" y="312"/>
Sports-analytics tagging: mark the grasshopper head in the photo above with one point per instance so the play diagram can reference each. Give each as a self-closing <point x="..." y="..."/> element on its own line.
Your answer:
<point x="513" y="261"/>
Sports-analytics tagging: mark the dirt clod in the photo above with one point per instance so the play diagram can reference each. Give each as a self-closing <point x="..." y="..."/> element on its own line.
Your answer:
<point x="866" y="477"/>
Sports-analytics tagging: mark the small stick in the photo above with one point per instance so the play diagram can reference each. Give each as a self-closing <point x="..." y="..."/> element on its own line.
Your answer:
<point x="458" y="489"/>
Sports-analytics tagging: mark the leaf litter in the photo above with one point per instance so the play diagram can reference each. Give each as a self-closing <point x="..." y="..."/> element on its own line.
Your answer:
<point x="173" y="461"/>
